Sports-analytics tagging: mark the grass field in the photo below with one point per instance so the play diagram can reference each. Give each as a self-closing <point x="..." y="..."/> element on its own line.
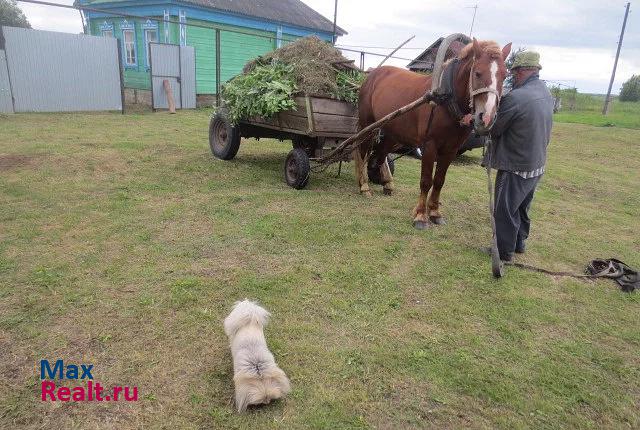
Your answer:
<point x="123" y="244"/>
<point x="588" y="110"/>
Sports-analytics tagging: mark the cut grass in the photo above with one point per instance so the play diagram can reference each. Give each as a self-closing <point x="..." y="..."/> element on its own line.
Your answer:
<point x="123" y="244"/>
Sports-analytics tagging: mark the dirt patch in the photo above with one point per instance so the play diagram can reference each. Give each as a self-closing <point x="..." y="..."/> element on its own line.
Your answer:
<point x="14" y="161"/>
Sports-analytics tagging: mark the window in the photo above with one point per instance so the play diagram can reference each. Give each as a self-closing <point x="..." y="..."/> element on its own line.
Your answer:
<point x="129" y="47"/>
<point x="106" y="29"/>
<point x="150" y="35"/>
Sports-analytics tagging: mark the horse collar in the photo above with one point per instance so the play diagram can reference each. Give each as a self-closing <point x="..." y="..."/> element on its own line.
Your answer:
<point x="447" y="87"/>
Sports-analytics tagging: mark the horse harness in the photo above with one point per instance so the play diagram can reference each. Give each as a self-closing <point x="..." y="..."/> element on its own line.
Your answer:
<point x="447" y="94"/>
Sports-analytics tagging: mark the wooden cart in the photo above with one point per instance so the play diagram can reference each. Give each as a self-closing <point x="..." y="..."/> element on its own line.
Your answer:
<point x="317" y="126"/>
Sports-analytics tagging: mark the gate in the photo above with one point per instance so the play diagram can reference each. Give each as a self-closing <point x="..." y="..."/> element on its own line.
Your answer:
<point x="176" y="64"/>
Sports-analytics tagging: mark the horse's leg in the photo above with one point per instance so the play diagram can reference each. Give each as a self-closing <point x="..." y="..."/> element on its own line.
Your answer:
<point x="361" y="158"/>
<point x="386" y="178"/>
<point x="426" y="171"/>
<point x="443" y="160"/>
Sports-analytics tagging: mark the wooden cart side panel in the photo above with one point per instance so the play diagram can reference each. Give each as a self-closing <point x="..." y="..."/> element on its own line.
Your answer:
<point x="327" y="106"/>
<point x="329" y="118"/>
<point x="327" y="123"/>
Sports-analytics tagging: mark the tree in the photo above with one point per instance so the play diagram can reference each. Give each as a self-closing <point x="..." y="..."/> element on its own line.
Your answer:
<point x="508" y="82"/>
<point x="631" y="90"/>
<point x="11" y="15"/>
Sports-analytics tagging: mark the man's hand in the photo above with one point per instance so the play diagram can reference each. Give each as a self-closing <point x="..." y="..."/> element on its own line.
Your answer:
<point x="466" y="120"/>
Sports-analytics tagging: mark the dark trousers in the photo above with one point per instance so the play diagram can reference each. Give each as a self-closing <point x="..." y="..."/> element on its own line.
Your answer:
<point x="512" y="202"/>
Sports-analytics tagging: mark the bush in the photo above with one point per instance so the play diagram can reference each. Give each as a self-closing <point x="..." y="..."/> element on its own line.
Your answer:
<point x="264" y="92"/>
<point x="631" y="90"/>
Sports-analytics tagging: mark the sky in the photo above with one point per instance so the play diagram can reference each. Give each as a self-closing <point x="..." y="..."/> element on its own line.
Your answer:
<point x="576" y="39"/>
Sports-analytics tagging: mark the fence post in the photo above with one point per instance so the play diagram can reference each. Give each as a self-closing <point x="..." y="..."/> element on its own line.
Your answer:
<point x="120" y="68"/>
<point x="218" y="67"/>
<point x="362" y="60"/>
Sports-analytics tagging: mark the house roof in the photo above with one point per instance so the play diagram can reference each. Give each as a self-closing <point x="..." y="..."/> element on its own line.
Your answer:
<point x="426" y="60"/>
<point x="293" y="12"/>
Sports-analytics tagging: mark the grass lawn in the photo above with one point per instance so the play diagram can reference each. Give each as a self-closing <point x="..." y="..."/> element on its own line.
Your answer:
<point x="588" y="110"/>
<point x="123" y="244"/>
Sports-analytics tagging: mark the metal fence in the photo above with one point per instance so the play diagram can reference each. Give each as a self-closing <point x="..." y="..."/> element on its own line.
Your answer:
<point x="176" y="64"/>
<point x="57" y="72"/>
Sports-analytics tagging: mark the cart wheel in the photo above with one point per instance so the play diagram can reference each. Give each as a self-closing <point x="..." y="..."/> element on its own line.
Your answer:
<point x="296" y="168"/>
<point x="374" y="171"/>
<point x="224" y="139"/>
<point x="308" y="144"/>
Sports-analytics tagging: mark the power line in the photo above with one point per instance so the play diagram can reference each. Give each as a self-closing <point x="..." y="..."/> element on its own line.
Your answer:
<point x="377" y="47"/>
<point x="173" y="21"/>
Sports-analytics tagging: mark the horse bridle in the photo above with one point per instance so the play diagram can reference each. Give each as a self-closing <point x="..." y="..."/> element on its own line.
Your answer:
<point x="483" y="90"/>
<point x="448" y="94"/>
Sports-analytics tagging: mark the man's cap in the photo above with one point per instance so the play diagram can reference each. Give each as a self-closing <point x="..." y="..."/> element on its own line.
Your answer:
<point x="528" y="59"/>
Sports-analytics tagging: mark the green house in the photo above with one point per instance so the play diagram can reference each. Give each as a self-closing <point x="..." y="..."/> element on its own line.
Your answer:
<point x="247" y="28"/>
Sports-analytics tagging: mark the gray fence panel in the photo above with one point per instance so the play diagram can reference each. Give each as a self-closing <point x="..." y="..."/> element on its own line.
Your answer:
<point x="6" y="104"/>
<point x="164" y="59"/>
<point x="177" y="65"/>
<point x="54" y="72"/>
<point x="188" y="78"/>
<point x="159" y="95"/>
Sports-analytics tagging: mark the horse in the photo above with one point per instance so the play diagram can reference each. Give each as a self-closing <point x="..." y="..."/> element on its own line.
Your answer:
<point x="476" y="77"/>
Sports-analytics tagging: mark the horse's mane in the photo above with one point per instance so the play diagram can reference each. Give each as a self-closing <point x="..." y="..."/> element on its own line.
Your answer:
<point x="489" y="46"/>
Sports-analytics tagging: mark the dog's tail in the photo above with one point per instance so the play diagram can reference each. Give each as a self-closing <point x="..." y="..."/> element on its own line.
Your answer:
<point x="244" y="313"/>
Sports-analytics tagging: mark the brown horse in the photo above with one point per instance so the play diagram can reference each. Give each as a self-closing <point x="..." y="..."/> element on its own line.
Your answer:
<point x="477" y="75"/>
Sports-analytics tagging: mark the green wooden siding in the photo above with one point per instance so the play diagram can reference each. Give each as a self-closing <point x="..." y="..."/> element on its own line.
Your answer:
<point x="288" y="38"/>
<point x="204" y="42"/>
<point x="235" y="50"/>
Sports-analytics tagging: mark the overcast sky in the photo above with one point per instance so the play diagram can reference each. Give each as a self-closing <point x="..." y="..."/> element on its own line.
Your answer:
<point x="576" y="38"/>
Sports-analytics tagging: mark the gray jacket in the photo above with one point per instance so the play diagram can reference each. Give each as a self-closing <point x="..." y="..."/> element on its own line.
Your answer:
<point x="522" y="129"/>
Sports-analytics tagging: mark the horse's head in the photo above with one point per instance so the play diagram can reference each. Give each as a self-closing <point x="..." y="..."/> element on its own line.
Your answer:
<point x="487" y="74"/>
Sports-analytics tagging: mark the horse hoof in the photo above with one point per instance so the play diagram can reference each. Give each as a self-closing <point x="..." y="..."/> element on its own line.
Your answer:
<point x="420" y="225"/>
<point x="387" y="191"/>
<point x="437" y="220"/>
<point x="366" y="193"/>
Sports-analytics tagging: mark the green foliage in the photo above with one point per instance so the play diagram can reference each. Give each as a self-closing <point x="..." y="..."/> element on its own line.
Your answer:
<point x="348" y="83"/>
<point x="509" y="81"/>
<point x="631" y="90"/>
<point x="11" y="15"/>
<point x="265" y="91"/>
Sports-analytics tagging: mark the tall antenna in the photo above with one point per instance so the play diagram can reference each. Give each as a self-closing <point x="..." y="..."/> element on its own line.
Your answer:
<point x="475" y="10"/>
<point x="335" y="18"/>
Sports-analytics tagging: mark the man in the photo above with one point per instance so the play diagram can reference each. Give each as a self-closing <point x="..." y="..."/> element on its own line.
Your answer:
<point x="520" y="138"/>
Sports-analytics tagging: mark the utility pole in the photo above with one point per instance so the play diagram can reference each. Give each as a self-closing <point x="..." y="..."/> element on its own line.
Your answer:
<point x="475" y="9"/>
<point x="607" y="100"/>
<point x="335" y="18"/>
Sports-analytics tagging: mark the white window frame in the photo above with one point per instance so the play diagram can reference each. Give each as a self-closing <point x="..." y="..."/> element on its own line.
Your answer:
<point x="182" y="17"/>
<point x="106" y="28"/>
<point x="127" y="27"/>
<point x="148" y="27"/>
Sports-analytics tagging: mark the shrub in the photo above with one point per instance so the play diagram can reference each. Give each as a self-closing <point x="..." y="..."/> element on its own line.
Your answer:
<point x="630" y="91"/>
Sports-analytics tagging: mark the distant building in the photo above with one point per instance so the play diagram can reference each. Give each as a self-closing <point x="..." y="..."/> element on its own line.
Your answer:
<point x="260" y="27"/>
<point x="424" y="62"/>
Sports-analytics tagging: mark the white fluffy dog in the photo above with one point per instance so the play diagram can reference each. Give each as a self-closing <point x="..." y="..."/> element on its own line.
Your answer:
<point x="257" y="378"/>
